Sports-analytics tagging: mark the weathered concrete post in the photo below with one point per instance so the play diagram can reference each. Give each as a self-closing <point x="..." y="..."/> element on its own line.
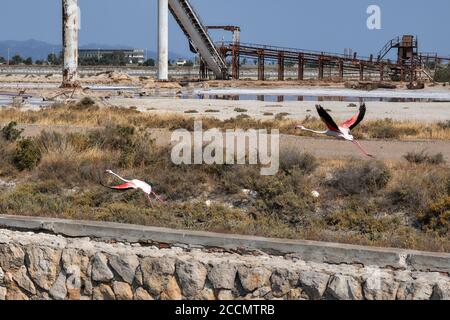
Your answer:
<point x="70" y="43"/>
<point x="341" y="69"/>
<point x="281" y="66"/>
<point x="261" y="65"/>
<point x="301" y="66"/>
<point x="163" y="40"/>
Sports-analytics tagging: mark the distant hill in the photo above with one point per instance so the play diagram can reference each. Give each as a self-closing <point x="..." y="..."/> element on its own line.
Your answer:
<point x="29" y="48"/>
<point x="39" y="50"/>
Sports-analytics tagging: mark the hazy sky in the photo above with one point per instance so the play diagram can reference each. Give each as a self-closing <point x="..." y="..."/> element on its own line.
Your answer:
<point x="325" y="25"/>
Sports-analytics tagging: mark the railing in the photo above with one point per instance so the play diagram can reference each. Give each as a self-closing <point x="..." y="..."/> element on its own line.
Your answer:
<point x="296" y="51"/>
<point x="387" y="47"/>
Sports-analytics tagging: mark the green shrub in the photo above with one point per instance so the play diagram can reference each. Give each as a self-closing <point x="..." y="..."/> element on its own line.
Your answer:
<point x="27" y="155"/>
<point x="240" y="110"/>
<point x="442" y="74"/>
<point x="10" y="133"/>
<point x="437" y="217"/>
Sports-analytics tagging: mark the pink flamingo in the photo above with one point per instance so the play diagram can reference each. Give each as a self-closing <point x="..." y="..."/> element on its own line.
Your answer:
<point x="343" y="131"/>
<point x="135" y="185"/>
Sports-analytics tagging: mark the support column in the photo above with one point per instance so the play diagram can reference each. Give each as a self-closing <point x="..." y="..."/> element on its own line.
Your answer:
<point x="281" y="66"/>
<point x="261" y="64"/>
<point x="236" y="62"/>
<point x="381" y="72"/>
<point x="341" y="70"/>
<point x="70" y="43"/>
<point x="361" y="71"/>
<point x="301" y="66"/>
<point x="163" y="40"/>
<point x="320" y="68"/>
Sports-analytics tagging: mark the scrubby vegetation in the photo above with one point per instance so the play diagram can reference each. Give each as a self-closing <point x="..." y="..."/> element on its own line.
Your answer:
<point x="442" y="74"/>
<point x="364" y="202"/>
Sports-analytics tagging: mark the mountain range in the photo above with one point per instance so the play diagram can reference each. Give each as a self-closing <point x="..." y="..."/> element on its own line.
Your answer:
<point x="39" y="50"/>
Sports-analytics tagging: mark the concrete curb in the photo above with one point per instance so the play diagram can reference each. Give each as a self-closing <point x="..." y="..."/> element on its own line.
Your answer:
<point x="320" y="252"/>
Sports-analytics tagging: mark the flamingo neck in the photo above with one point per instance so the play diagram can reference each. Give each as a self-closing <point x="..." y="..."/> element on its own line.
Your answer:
<point x="124" y="180"/>
<point x="314" y="131"/>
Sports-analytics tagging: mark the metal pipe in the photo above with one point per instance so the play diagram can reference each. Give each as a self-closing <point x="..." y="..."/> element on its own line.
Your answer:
<point x="70" y="43"/>
<point x="163" y="40"/>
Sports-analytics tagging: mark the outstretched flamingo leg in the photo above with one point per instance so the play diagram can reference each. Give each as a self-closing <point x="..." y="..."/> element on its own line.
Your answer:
<point x="356" y="143"/>
<point x="150" y="200"/>
<point x="157" y="197"/>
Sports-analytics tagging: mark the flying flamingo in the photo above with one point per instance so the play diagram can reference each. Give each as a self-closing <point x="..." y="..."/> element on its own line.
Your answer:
<point x="136" y="185"/>
<point x="343" y="131"/>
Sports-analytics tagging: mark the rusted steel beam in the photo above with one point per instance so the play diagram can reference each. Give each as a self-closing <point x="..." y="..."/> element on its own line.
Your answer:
<point x="70" y="43"/>
<point x="280" y="66"/>
<point x="301" y="66"/>
<point x="236" y="62"/>
<point x="261" y="64"/>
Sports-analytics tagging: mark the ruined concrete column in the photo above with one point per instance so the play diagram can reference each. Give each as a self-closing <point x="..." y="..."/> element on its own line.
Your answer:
<point x="70" y="43"/>
<point x="163" y="40"/>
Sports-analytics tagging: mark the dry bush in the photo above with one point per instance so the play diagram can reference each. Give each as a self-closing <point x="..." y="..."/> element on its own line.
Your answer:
<point x="360" y="178"/>
<point x="424" y="158"/>
<point x="291" y="157"/>
<point x="7" y="152"/>
<point x="414" y="190"/>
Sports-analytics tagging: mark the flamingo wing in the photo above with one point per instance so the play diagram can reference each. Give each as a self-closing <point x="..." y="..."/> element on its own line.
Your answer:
<point x="124" y="187"/>
<point x="356" y="119"/>
<point x="327" y="119"/>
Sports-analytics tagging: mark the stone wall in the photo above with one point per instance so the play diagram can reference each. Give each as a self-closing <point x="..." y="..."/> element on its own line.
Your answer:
<point x="37" y="265"/>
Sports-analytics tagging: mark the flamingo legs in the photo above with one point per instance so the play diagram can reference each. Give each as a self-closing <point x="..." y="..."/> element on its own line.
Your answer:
<point x="150" y="200"/>
<point x="358" y="145"/>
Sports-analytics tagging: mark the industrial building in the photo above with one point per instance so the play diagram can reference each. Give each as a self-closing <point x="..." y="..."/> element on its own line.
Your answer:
<point x="130" y="56"/>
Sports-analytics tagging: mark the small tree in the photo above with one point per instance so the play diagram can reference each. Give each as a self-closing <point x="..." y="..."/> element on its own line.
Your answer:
<point x="149" y="63"/>
<point x="27" y="155"/>
<point x="29" y="61"/>
<point x="53" y="59"/>
<point x="17" y="59"/>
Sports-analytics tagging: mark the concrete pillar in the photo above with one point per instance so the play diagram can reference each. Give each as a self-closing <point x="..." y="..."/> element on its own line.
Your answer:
<point x="281" y="66"/>
<point x="341" y="70"/>
<point x="301" y="66"/>
<point x="261" y="65"/>
<point x="163" y="40"/>
<point x="70" y="43"/>
<point x="361" y="72"/>
<point x="320" y="69"/>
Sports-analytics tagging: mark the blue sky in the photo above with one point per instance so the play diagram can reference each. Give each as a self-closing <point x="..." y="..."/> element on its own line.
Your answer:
<point x="325" y="25"/>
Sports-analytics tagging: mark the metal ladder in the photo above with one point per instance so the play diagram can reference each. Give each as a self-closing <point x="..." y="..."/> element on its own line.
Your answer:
<point x="198" y="37"/>
<point x="388" y="46"/>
